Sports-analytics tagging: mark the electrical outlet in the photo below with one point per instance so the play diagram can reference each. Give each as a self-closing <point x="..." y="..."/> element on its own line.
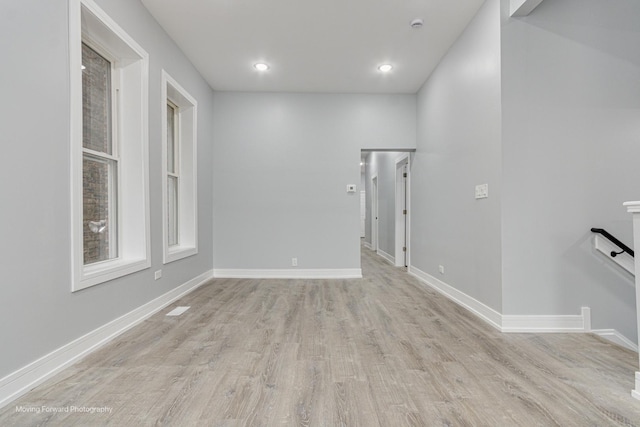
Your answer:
<point x="294" y="262"/>
<point x="441" y="269"/>
<point x="158" y="274"/>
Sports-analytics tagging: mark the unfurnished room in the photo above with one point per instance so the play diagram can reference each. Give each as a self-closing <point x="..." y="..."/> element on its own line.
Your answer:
<point x="320" y="213"/>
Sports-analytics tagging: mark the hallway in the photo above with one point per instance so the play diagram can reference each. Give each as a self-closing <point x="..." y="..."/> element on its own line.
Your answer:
<point x="383" y="350"/>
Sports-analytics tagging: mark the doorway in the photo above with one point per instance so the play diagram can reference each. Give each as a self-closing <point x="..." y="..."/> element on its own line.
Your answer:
<point x="386" y="177"/>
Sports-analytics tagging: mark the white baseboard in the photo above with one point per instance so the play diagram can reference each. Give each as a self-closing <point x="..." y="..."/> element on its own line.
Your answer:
<point x="548" y="323"/>
<point x="26" y="378"/>
<point x="368" y="245"/>
<point x="579" y="323"/>
<point x="616" y="337"/>
<point x="386" y="256"/>
<point x="635" y="393"/>
<point x="508" y="323"/>
<point x="480" y="309"/>
<point x="340" y="273"/>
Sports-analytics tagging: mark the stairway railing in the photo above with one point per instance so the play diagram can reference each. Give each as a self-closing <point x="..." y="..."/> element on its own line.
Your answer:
<point x="614" y="240"/>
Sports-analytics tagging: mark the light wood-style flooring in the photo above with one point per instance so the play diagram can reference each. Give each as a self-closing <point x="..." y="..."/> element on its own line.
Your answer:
<point x="384" y="350"/>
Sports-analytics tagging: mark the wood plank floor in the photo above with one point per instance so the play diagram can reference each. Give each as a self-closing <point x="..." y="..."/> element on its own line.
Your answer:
<point x="383" y="350"/>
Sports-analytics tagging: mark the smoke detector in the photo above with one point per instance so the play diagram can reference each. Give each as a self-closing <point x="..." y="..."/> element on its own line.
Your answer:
<point x="417" y="23"/>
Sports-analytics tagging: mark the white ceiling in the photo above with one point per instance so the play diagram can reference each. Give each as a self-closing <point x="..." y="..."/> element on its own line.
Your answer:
<point x="330" y="46"/>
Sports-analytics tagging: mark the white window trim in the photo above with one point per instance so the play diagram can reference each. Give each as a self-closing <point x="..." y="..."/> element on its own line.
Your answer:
<point x="187" y="245"/>
<point x="132" y="66"/>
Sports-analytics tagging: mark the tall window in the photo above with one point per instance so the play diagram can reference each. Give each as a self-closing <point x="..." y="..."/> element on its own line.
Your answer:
<point x="173" y="177"/>
<point x="99" y="160"/>
<point x="109" y="148"/>
<point x="180" y="212"/>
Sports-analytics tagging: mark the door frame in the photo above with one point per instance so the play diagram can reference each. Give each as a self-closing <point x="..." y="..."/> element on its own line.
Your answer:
<point x="374" y="212"/>
<point x="403" y="201"/>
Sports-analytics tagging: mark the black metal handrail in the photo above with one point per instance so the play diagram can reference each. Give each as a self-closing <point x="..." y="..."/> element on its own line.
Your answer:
<point x="621" y="245"/>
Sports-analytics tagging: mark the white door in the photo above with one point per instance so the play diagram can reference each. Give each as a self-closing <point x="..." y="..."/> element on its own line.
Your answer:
<point x="405" y="248"/>
<point x="402" y="212"/>
<point x="374" y="213"/>
<point x="363" y="212"/>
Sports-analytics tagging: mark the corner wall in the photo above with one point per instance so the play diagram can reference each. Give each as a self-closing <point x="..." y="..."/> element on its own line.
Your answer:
<point x="458" y="147"/>
<point x="571" y="144"/>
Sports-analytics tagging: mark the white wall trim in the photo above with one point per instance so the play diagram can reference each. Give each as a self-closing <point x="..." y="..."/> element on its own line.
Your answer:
<point x="368" y="245"/>
<point x="517" y="323"/>
<point x="88" y="22"/>
<point x="387" y="257"/>
<point x="635" y="393"/>
<point x="547" y="323"/>
<point x="480" y="309"/>
<point x="616" y="337"/>
<point x="187" y="142"/>
<point x="339" y="273"/>
<point x="633" y="207"/>
<point x="26" y="378"/>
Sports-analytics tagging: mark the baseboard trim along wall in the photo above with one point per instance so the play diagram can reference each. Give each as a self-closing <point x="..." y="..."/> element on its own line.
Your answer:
<point x="368" y="245"/>
<point x="388" y="257"/>
<point x="616" y="337"/>
<point x="25" y="379"/>
<point x="548" y="323"/>
<point x="341" y="273"/>
<point x="579" y="323"/>
<point x="481" y="310"/>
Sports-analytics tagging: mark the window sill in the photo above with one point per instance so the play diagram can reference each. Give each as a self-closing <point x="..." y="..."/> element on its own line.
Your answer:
<point x="102" y="272"/>
<point x="179" y="252"/>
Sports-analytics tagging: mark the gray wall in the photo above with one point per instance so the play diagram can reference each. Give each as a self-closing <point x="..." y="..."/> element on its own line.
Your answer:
<point x="281" y="166"/>
<point x="39" y="312"/>
<point x="571" y="144"/>
<point x="458" y="147"/>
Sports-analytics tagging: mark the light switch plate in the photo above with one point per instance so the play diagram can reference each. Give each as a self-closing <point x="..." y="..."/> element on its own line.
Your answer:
<point x="482" y="191"/>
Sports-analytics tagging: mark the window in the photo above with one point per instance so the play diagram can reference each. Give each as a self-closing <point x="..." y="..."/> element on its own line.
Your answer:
<point x="99" y="160"/>
<point x="173" y="176"/>
<point x="109" y="145"/>
<point x="179" y="166"/>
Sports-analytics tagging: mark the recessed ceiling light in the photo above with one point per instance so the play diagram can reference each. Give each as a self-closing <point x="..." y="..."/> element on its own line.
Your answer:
<point x="385" y="68"/>
<point x="261" y="66"/>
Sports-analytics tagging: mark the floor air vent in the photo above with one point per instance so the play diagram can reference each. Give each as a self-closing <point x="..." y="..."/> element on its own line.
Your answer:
<point x="178" y="311"/>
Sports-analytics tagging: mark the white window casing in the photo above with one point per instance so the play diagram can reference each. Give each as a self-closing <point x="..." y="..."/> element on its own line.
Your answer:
<point x="185" y="171"/>
<point x="130" y="77"/>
